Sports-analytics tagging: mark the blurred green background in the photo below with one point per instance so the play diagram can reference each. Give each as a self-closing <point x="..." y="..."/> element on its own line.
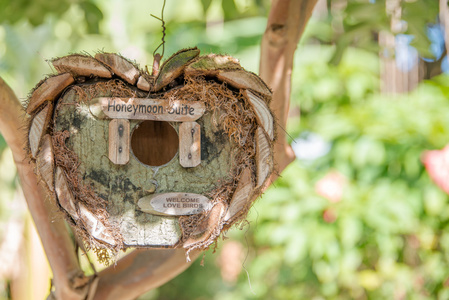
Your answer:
<point x="356" y="216"/>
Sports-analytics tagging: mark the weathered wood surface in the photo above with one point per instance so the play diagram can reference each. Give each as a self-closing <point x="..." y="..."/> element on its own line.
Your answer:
<point x="244" y="80"/>
<point x="211" y="64"/>
<point x="241" y="198"/>
<point x="49" y="90"/>
<point x="174" y="204"/>
<point x="150" y="109"/>
<point x="80" y="65"/>
<point x="45" y="161"/>
<point x="120" y="66"/>
<point x="174" y="66"/>
<point x="207" y="227"/>
<point x="124" y="185"/>
<point x="263" y="114"/>
<point x="143" y="84"/>
<point x="189" y="144"/>
<point x="263" y="157"/>
<point x="64" y="193"/>
<point x="119" y="141"/>
<point x="38" y="127"/>
<point x="95" y="227"/>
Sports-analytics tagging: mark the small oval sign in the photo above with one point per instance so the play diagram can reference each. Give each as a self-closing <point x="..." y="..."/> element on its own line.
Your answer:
<point x="174" y="204"/>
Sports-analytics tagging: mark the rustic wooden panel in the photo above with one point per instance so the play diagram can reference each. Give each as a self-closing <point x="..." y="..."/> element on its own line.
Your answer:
<point x="241" y="196"/>
<point x="124" y="185"/>
<point x="38" y="127"/>
<point x="120" y="66"/>
<point x="49" y="90"/>
<point x="242" y="79"/>
<point x="174" y="204"/>
<point x="263" y="114"/>
<point x="206" y="228"/>
<point x="143" y="84"/>
<point x="119" y="141"/>
<point x="45" y="162"/>
<point x="174" y="66"/>
<point x="80" y="65"/>
<point x="189" y="144"/>
<point x="263" y="157"/>
<point x="64" y="193"/>
<point x="151" y="109"/>
<point x="95" y="227"/>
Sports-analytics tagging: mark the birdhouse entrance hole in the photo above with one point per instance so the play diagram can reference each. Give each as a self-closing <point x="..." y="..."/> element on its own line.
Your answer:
<point x="154" y="143"/>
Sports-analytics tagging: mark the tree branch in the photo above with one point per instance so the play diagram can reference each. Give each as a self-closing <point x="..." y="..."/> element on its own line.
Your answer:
<point x="139" y="272"/>
<point x="286" y="23"/>
<point x="444" y="20"/>
<point x="52" y="231"/>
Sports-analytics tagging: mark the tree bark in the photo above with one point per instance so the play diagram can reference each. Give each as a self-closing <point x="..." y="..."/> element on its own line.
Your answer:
<point x="444" y="20"/>
<point x="143" y="270"/>
<point x="139" y="272"/>
<point x="52" y="230"/>
<point x="286" y="23"/>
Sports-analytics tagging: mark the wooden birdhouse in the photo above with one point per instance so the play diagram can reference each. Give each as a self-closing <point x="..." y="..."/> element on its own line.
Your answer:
<point x="139" y="160"/>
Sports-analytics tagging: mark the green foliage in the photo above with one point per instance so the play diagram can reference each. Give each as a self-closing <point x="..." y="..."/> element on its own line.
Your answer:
<point x="389" y="237"/>
<point x="386" y="239"/>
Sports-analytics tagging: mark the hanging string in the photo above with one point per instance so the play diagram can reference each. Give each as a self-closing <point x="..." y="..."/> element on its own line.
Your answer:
<point x="163" y="31"/>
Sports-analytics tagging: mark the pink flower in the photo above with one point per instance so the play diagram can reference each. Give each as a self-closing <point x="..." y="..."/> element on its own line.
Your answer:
<point x="437" y="165"/>
<point x="331" y="186"/>
<point x="329" y="215"/>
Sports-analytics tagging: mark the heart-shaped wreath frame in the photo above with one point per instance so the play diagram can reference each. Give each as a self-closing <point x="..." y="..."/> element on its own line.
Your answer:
<point x="238" y="102"/>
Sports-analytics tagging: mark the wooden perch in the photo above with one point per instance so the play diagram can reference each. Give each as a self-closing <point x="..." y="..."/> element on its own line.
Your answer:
<point x="286" y="23"/>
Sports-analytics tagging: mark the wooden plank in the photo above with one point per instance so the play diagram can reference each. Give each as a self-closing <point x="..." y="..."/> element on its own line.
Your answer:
<point x="120" y="66"/>
<point x="38" y="127"/>
<point x="240" y="199"/>
<point x="263" y="114"/>
<point x="174" y="204"/>
<point x="189" y="144"/>
<point x="45" y="161"/>
<point x="80" y="65"/>
<point x="264" y="157"/>
<point x="151" y="109"/>
<point x="49" y="90"/>
<point x="119" y="139"/>
<point x="95" y="227"/>
<point x="64" y="193"/>
<point x="242" y="79"/>
<point x="143" y="84"/>
<point x="174" y="67"/>
<point x="207" y="226"/>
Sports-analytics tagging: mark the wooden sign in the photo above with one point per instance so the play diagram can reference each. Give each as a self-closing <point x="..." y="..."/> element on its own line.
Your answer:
<point x="151" y="109"/>
<point x="174" y="204"/>
<point x="119" y="141"/>
<point x="189" y="144"/>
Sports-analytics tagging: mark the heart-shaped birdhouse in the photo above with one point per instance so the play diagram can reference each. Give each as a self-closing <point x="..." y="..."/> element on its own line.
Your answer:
<point x="140" y="160"/>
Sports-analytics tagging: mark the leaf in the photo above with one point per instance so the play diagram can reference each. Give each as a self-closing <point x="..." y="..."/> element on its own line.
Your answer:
<point x="93" y="16"/>
<point x="229" y="9"/>
<point x="206" y="5"/>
